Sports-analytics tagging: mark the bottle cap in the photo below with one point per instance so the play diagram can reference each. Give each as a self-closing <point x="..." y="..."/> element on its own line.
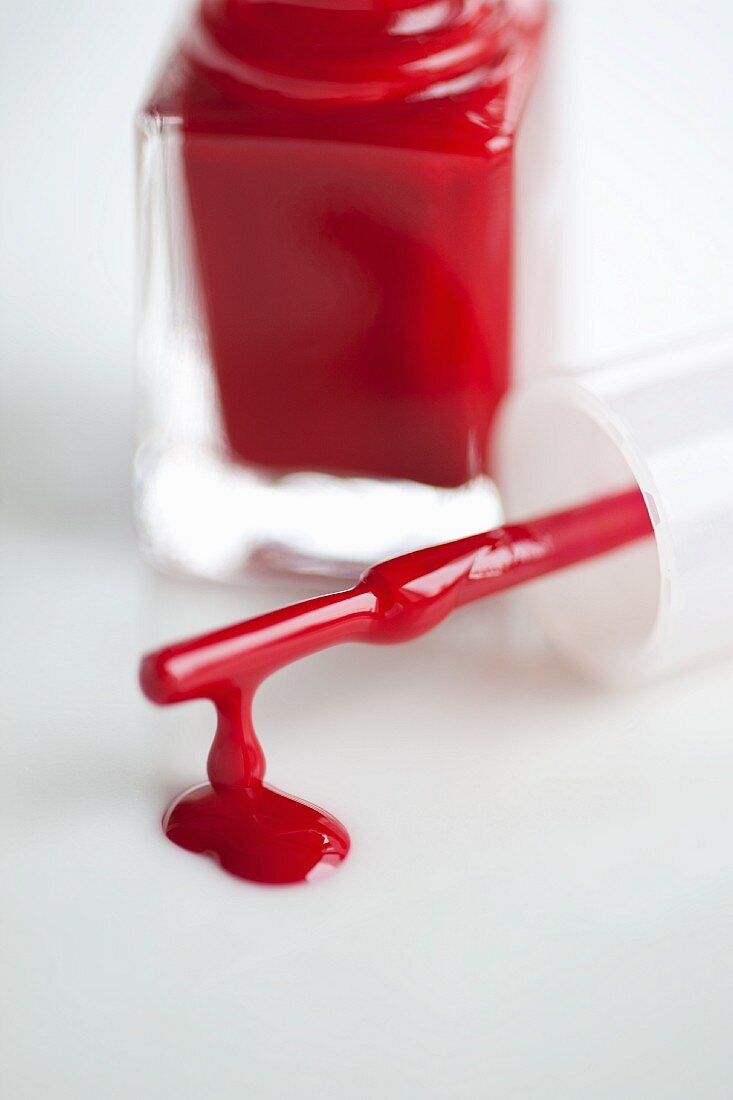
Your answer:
<point x="665" y="423"/>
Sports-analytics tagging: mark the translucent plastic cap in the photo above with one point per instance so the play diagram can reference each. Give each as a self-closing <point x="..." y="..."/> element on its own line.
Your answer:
<point x="666" y="424"/>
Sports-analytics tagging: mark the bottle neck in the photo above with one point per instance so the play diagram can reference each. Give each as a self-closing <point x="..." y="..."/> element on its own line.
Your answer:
<point x="348" y="51"/>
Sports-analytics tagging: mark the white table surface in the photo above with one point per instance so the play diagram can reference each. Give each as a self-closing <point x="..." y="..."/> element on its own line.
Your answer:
<point x="538" y="901"/>
<point x="539" y="897"/>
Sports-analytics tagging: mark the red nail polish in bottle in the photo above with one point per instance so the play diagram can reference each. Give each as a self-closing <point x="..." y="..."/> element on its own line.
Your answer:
<point x="340" y="236"/>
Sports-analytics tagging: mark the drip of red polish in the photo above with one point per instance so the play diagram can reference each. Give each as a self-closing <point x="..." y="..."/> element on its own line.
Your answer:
<point x="254" y="831"/>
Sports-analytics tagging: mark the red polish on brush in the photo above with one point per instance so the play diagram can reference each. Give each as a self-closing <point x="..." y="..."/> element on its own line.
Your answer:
<point x="255" y="831"/>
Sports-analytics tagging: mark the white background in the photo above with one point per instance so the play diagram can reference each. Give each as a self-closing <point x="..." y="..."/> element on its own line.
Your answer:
<point x="539" y="899"/>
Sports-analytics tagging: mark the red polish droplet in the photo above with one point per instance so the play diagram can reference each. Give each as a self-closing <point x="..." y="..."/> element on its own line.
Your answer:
<point x="257" y="833"/>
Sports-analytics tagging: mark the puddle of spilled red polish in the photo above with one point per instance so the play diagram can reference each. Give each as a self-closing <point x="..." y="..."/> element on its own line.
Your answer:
<point x="257" y="833"/>
<point x="254" y="831"/>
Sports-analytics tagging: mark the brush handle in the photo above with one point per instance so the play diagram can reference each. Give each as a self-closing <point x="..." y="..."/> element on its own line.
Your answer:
<point x="395" y="601"/>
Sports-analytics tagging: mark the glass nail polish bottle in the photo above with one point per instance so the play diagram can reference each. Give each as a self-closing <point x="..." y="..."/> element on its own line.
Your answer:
<point x="340" y="244"/>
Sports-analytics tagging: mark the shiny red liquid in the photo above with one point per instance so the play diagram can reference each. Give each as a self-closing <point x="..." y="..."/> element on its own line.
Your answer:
<point x="350" y="175"/>
<point x="260" y="834"/>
